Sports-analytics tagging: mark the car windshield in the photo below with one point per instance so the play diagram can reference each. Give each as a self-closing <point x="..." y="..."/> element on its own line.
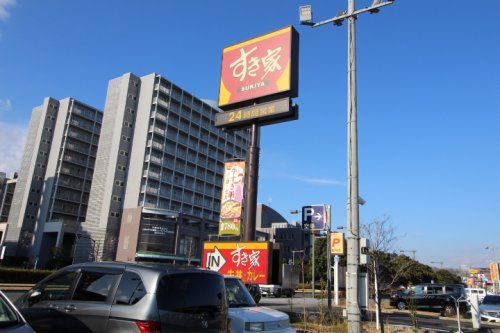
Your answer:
<point x="237" y="294"/>
<point x="7" y="315"/>
<point x="492" y="300"/>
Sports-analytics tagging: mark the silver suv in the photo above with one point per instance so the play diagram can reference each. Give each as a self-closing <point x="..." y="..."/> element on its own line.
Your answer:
<point x="108" y="297"/>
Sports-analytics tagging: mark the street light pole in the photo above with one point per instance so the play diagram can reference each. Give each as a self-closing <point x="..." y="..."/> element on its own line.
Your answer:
<point x="353" y="312"/>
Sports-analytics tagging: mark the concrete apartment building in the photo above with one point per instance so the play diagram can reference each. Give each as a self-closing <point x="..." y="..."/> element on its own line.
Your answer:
<point x="51" y="195"/>
<point x="3" y="184"/>
<point x="158" y="176"/>
<point x="5" y="202"/>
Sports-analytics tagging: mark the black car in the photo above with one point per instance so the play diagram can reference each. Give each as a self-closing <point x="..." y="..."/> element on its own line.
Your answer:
<point x="432" y="295"/>
<point x="254" y="290"/>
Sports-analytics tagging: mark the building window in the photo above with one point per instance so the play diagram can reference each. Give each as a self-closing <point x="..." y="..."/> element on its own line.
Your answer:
<point x="127" y="124"/>
<point x="114" y="214"/>
<point x="117" y="198"/>
<point x="119" y="183"/>
<point x="121" y="167"/>
<point x="125" y="138"/>
<point x="123" y="152"/>
<point x="188" y="246"/>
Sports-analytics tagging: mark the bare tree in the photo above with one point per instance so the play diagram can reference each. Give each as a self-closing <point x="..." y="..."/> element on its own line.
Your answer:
<point x="383" y="238"/>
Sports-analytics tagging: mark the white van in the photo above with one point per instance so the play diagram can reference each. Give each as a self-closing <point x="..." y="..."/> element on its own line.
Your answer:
<point x="480" y="292"/>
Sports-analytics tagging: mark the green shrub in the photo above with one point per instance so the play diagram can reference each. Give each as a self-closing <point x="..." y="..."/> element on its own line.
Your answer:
<point x="20" y="275"/>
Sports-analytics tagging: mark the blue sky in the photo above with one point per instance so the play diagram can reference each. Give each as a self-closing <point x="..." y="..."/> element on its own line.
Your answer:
<point x="428" y="89"/>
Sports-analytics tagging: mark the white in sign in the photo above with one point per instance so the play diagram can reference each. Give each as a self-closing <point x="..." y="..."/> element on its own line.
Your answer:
<point x="215" y="260"/>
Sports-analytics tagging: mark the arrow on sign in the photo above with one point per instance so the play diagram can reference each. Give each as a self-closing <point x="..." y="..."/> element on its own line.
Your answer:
<point x="215" y="260"/>
<point x="318" y="216"/>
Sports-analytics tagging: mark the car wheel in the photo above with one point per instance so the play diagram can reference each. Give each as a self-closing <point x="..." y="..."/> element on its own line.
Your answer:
<point x="449" y="310"/>
<point x="401" y="305"/>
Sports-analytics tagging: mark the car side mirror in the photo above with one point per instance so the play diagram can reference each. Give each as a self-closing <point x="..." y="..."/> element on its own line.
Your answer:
<point x="35" y="294"/>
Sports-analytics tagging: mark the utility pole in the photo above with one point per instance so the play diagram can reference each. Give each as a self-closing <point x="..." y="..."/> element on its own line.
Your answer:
<point x="441" y="264"/>
<point x="353" y="312"/>
<point x="329" y="266"/>
<point x="413" y="252"/>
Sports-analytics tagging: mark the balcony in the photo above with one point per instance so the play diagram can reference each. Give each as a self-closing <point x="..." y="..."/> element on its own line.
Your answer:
<point x="84" y="113"/>
<point x="168" y="163"/>
<point x="82" y="125"/>
<point x="160" y="116"/>
<point x="157" y="130"/>
<point x="152" y="174"/>
<point x="151" y="190"/>
<point x="153" y="159"/>
<point x="184" y="127"/>
<point x="162" y="102"/>
<point x="77" y="148"/>
<point x="69" y="199"/>
<point x="75" y="160"/>
<point x="155" y="144"/>
<point x="162" y="89"/>
<point x="78" y="136"/>
<point x="71" y="172"/>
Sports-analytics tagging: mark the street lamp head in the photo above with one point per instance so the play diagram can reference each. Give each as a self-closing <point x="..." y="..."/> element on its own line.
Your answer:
<point x="305" y="14"/>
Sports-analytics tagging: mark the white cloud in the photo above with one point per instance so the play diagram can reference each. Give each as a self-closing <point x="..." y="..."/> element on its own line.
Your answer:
<point x="317" y="181"/>
<point x="4" y="4"/>
<point x="5" y="104"/>
<point x="12" y="140"/>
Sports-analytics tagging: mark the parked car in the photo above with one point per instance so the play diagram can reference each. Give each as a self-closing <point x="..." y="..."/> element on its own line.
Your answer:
<point x="432" y="295"/>
<point x="480" y="292"/>
<point x="246" y="316"/>
<point x="269" y="290"/>
<point x="108" y="297"/>
<point x="254" y="290"/>
<point x="11" y="321"/>
<point x="490" y="308"/>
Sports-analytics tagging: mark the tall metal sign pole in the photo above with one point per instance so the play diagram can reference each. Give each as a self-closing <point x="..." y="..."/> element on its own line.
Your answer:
<point x="353" y="312"/>
<point x="259" y="78"/>
<point x="252" y="182"/>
